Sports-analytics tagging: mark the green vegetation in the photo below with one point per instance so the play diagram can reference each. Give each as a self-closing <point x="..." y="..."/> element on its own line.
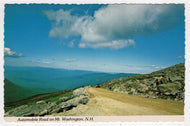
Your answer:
<point x="47" y="104"/>
<point x="14" y="92"/>
<point x="48" y="97"/>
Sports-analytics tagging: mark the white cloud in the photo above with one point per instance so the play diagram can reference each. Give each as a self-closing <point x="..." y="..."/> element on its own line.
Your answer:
<point x="45" y="62"/>
<point x="162" y="67"/>
<point x="71" y="60"/>
<point x="157" y="67"/>
<point x="114" y="23"/>
<point x="179" y="57"/>
<point x="112" y="44"/>
<point x="9" y="53"/>
<point x="71" y="44"/>
<point x="62" y="23"/>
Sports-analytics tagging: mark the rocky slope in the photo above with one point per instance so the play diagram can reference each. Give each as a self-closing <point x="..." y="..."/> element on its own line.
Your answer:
<point x="166" y="84"/>
<point x="48" y="103"/>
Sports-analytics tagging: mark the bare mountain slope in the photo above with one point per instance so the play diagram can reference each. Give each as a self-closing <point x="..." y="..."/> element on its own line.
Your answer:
<point x="166" y="84"/>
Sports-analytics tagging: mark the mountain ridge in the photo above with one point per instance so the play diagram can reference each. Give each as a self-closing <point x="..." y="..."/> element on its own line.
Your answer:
<point x="167" y="83"/>
<point x="37" y="77"/>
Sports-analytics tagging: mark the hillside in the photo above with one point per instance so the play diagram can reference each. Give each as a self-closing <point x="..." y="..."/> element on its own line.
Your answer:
<point x="166" y="84"/>
<point x="14" y="92"/>
<point x="157" y="93"/>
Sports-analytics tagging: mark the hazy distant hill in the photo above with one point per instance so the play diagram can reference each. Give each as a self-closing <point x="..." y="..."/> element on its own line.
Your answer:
<point x="86" y="79"/>
<point x="39" y="77"/>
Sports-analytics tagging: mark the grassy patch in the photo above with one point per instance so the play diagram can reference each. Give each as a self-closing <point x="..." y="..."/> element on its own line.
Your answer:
<point x="48" y="97"/>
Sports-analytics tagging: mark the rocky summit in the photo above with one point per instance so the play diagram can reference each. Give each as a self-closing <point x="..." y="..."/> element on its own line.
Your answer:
<point x="166" y="84"/>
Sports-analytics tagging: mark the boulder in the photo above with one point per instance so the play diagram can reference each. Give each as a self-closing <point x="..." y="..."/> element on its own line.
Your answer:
<point x="56" y="110"/>
<point x="44" y="112"/>
<point x="142" y="88"/>
<point x="133" y="91"/>
<point x="41" y="102"/>
<point x="74" y="102"/>
<point x="174" y="78"/>
<point x="63" y="98"/>
<point x="79" y="91"/>
<point x="170" y="88"/>
<point x="16" y="110"/>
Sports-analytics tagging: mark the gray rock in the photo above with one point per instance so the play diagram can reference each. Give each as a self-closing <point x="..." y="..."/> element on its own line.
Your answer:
<point x="63" y="98"/>
<point x="170" y="87"/>
<point x="79" y="91"/>
<point x="56" y="110"/>
<point x="44" y="112"/>
<point x="167" y="93"/>
<point x="41" y="102"/>
<point x="74" y="102"/>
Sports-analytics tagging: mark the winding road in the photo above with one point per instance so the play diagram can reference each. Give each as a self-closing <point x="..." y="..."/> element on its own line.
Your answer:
<point x="107" y="103"/>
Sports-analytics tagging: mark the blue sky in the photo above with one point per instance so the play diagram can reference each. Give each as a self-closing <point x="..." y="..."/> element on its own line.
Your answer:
<point x="109" y="38"/>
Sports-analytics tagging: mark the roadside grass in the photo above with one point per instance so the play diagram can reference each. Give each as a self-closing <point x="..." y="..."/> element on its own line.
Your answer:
<point x="48" y="97"/>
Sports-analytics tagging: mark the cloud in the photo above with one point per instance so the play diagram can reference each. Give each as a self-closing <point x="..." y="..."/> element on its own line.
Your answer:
<point x="150" y="66"/>
<point x="179" y="57"/>
<point x="162" y="67"/>
<point x="40" y="61"/>
<point x="114" y="23"/>
<point x="9" y="53"/>
<point x="71" y="60"/>
<point x="62" y="23"/>
<point x="112" y="45"/>
<point x="45" y="62"/>
<point x="157" y="67"/>
<point x="71" y="44"/>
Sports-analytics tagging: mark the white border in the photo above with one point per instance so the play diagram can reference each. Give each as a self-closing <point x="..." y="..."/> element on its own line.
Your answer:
<point x="187" y="60"/>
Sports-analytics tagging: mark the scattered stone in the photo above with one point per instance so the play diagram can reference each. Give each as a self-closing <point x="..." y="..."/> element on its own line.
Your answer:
<point x="63" y="98"/>
<point x="79" y="91"/>
<point x="167" y="84"/>
<point x="41" y="108"/>
<point x="44" y="112"/>
<point x="40" y="102"/>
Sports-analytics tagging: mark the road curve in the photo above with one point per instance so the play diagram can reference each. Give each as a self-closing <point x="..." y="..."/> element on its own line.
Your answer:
<point x="107" y="103"/>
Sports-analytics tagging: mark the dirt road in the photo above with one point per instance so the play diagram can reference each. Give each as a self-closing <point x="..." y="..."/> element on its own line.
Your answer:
<point x="108" y="103"/>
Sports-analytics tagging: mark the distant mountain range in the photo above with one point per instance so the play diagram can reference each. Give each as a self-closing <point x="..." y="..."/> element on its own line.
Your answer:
<point x="29" y="81"/>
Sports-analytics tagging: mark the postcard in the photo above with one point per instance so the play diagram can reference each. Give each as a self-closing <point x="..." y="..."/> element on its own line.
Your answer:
<point x="94" y="62"/>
